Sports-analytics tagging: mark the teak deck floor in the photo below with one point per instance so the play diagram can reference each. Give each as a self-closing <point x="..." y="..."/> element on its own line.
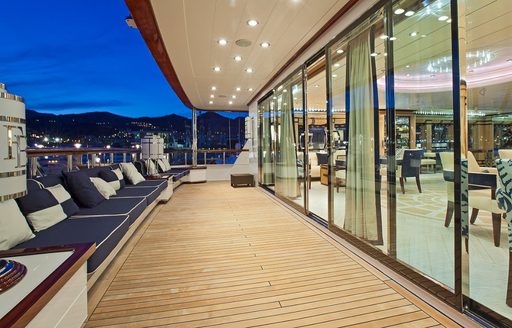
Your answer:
<point x="224" y="257"/>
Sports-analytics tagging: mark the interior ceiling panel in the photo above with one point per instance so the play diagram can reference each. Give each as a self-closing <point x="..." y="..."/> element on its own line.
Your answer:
<point x="191" y="29"/>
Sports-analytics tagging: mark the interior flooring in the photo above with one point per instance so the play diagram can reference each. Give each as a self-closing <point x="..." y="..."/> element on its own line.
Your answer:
<point x="225" y="257"/>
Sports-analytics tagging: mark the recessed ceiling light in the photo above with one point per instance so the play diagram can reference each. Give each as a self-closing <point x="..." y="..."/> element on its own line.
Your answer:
<point x="214" y="88"/>
<point x="334" y="75"/>
<point x="316" y="86"/>
<point x="413" y="33"/>
<point x="210" y="102"/>
<point x="409" y="13"/>
<point x="399" y="11"/>
<point x="233" y="96"/>
<point x="385" y="54"/>
<point x="252" y="22"/>
<point x="393" y="38"/>
<point x="230" y="102"/>
<point x="423" y="35"/>
<point x="337" y="65"/>
<point x="237" y="58"/>
<point x="250" y="89"/>
<point x="248" y="70"/>
<point x="449" y="21"/>
<point x="383" y="37"/>
<point x="238" y="89"/>
<point x="265" y="44"/>
<point x="216" y="69"/>
<point x="442" y="18"/>
<point x="339" y="51"/>
<point x="222" y="42"/>
<point x="212" y="96"/>
<point x="408" y="74"/>
<point x="407" y="66"/>
<point x="374" y="54"/>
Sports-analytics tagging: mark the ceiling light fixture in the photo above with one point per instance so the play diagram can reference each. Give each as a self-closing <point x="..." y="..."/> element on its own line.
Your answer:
<point x="334" y="75"/>
<point x="449" y="21"/>
<point x="237" y="58"/>
<point x="423" y="35"/>
<point x="383" y="37"/>
<point x="413" y="34"/>
<point x="214" y="88"/>
<point x="252" y="22"/>
<point x="210" y="102"/>
<point x="216" y="69"/>
<point x="393" y="38"/>
<point x="233" y="96"/>
<point x="238" y="89"/>
<point x="339" y="51"/>
<point x="250" y="89"/>
<point x="230" y="102"/>
<point x="248" y="70"/>
<point x="212" y="96"/>
<point x="337" y="65"/>
<point x="442" y="18"/>
<point x="222" y="42"/>
<point x="409" y="13"/>
<point x="399" y="11"/>
<point x="374" y="54"/>
<point x="265" y="44"/>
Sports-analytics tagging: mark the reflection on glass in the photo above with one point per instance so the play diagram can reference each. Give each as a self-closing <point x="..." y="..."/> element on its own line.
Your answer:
<point x="423" y="102"/>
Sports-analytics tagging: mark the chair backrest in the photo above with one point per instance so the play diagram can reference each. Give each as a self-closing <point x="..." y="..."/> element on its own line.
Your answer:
<point x="446" y="160"/>
<point x="323" y="158"/>
<point x="473" y="165"/>
<point x="411" y="162"/>
<point x="505" y="153"/>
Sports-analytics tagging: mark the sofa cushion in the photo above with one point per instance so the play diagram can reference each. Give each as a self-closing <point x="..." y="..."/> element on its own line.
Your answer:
<point x="161" y="184"/>
<point x="132" y="175"/>
<point x="133" y="207"/>
<point x="82" y="189"/>
<point x="114" y="178"/>
<point x="52" y="180"/>
<point x="14" y="228"/>
<point x="46" y="207"/>
<point x="105" y="231"/>
<point x="105" y="189"/>
<point x="151" y="193"/>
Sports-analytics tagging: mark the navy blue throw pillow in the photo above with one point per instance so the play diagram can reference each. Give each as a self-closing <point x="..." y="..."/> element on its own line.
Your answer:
<point x="114" y="178"/>
<point x="82" y="189"/>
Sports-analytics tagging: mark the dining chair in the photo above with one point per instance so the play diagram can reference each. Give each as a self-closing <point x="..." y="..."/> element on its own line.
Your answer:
<point x="473" y="165"/>
<point x="410" y="167"/>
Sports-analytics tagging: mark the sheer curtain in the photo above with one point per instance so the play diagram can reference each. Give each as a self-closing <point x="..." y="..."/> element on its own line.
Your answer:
<point x="360" y="206"/>
<point x="266" y="146"/>
<point x="287" y="184"/>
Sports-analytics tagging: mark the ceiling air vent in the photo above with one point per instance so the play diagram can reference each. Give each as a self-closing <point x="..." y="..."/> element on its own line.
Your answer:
<point x="244" y="43"/>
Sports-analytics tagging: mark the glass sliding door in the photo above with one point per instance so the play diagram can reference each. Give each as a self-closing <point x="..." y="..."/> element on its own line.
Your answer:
<point x="266" y="149"/>
<point x="486" y="67"/>
<point x="317" y="138"/>
<point x="424" y="90"/>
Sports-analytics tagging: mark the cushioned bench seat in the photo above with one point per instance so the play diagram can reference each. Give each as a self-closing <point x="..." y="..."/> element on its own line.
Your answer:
<point x="178" y="173"/>
<point x="150" y="193"/>
<point x="105" y="231"/>
<point x="161" y="184"/>
<point x="132" y="207"/>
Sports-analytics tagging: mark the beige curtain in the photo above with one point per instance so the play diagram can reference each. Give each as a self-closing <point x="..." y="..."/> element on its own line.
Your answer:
<point x="360" y="206"/>
<point x="287" y="184"/>
<point x="266" y="146"/>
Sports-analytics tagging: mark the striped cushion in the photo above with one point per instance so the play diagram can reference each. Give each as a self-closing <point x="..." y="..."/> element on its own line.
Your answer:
<point x="45" y="207"/>
<point x="114" y="178"/>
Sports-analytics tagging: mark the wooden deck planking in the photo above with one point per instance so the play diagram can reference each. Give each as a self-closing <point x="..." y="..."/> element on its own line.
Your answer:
<point x="224" y="257"/>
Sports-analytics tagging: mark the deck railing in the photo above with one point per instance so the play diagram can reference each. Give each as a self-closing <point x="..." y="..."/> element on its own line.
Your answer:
<point x="51" y="160"/>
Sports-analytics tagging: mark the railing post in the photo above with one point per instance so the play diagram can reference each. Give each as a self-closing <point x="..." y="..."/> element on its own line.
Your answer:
<point x="33" y="167"/>
<point x="93" y="160"/>
<point x="194" y="137"/>
<point x="223" y="157"/>
<point x="204" y="158"/>
<point x="70" y="163"/>
<point x="124" y="157"/>
<point x="111" y="158"/>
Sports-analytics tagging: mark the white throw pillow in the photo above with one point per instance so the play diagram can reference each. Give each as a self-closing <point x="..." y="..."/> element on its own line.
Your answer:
<point x="166" y="163"/>
<point x="105" y="189"/>
<point x="151" y="167"/>
<point x="161" y="165"/>
<point x="131" y="173"/>
<point x="14" y="228"/>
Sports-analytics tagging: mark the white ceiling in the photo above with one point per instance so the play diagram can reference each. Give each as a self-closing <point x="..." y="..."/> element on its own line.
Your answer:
<point x="191" y="28"/>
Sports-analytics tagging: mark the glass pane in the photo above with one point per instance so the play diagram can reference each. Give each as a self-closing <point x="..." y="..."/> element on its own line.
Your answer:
<point x="486" y="64"/>
<point x="266" y="147"/>
<point x="317" y="139"/>
<point x="423" y="102"/>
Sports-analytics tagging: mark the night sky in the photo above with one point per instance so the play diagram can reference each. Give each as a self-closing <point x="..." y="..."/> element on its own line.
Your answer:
<point x="75" y="56"/>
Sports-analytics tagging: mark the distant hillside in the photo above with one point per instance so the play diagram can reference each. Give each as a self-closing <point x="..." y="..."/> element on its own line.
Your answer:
<point x="106" y="125"/>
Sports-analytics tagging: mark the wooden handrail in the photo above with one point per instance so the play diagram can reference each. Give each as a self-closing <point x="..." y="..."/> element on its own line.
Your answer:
<point x="37" y="152"/>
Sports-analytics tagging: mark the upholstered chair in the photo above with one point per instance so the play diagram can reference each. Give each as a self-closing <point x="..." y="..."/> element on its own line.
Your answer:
<point x="505" y="153"/>
<point x="410" y="167"/>
<point x="473" y="165"/>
